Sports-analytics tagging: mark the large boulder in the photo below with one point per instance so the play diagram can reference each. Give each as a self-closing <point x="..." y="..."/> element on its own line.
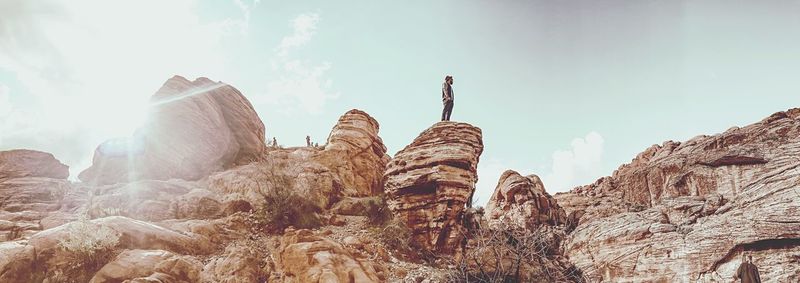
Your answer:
<point x="429" y="183"/>
<point x="20" y="163"/>
<point x="686" y="211"/>
<point x="194" y="128"/>
<point x="523" y="201"/>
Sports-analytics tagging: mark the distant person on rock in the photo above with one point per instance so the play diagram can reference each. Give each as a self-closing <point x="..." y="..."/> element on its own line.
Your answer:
<point x="308" y="141"/>
<point x="447" y="97"/>
<point x="747" y="272"/>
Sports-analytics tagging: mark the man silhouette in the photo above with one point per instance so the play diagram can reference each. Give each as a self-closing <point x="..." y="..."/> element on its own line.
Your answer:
<point x="747" y="272"/>
<point x="447" y="97"/>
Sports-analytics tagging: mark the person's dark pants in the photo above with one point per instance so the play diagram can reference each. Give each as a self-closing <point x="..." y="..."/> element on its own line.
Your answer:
<point x="448" y="109"/>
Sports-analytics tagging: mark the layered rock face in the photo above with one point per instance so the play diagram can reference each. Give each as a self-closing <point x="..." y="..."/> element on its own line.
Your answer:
<point x="193" y="128"/>
<point x="356" y="154"/>
<point x="686" y="211"/>
<point x="523" y="201"/>
<point x="33" y="187"/>
<point x="430" y="181"/>
<point x="20" y="163"/>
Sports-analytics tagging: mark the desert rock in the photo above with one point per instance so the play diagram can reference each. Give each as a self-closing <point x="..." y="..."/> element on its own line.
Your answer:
<point x="429" y="182"/>
<point x="686" y="211"/>
<point x="523" y="201"/>
<point x="193" y="128"/>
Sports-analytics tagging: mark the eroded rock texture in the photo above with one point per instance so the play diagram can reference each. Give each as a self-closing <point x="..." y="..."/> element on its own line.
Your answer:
<point x="33" y="190"/>
<point x="305" y="257"/>
<point x="350" y="164"/>
<point x="430" y="181"/>
<point x="194" y="128"/>
<point x="686" y="211"/>
<point x="523" y="201"/>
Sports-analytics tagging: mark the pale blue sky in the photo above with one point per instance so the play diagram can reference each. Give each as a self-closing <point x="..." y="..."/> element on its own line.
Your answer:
<point x="568" y="90"/>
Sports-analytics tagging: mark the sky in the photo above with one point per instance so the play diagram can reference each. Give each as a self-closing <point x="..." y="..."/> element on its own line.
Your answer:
<point x="567" y="90"/>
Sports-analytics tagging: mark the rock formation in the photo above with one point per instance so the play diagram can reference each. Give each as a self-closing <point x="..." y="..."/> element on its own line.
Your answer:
<point x="524" y="202"/>
<point x="193" y="128"/>
<point x="22" y="163"/>
<point x="33" y="186"/>
<point x="429" y="182"/>
<point x="350" y="164"/>
<point x="686" y="211"/>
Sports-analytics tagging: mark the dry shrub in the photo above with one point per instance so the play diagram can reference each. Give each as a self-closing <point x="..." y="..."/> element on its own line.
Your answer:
<point x="89" y="246"/>
<point x="397" y="236"/>
<point x="377" y="211"/>
<point x="511" y="254"/>
<point x="283" y="207"/>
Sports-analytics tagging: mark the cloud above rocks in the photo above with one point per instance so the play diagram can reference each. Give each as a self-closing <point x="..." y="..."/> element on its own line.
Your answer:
<point x="301" y="86"/>
<point x="579" y="165"/>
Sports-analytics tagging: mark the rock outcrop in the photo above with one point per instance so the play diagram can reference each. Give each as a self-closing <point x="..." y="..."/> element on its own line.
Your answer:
<point x="429" y="182"/>
<point x="523" y="201"/>
<point x="33" y="189"/>
<point x="350" y="164"/>
<point x="686" y="211"/>
<point x="21" y="163"/>
<point x="305" y="257"/>
<point x="194" y="128"/>
<point x="356" y="154"/>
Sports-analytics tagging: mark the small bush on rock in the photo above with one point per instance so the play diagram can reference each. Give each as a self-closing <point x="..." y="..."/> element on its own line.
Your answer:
<point x="284" y="208"/>
<point x="378" y="212"/>
<point x="90" y="246"/>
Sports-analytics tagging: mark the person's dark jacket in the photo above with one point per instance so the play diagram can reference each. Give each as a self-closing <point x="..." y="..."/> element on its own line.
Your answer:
<point x="447" y="92"/>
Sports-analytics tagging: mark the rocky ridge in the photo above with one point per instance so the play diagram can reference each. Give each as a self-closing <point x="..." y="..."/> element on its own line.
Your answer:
<point x="686" y="211"/>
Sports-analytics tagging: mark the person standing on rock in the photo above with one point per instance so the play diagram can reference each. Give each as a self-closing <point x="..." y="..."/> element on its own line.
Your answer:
<point x="447" y="97"/>
<point x="747" y="272"/>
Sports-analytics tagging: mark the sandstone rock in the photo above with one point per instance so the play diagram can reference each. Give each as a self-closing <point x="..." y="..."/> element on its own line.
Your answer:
<point x="194" y="128"/>
<point x="524" y="202"/>
<point x="305" y="257"/>
<point x="30" y="163"/>
<point x="685" y="211"/>
<point x="26" y="202"/>
<point x="16" y="262"/>
<point x="239" y="264"/>
<point x="131" y="264"/>
<point x="350" y="164"/>
<point x="430" y="181"/>
<point x="154" y="201"/>
<point x="356" y="154"/>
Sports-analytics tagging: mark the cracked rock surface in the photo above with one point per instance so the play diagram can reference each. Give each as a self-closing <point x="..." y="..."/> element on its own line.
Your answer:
<point x="684" y="212"/>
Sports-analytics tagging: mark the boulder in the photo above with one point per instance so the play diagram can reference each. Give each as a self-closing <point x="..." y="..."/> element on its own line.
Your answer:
<point x="429" y="183"/>
<point x="194" y="128"/>
<point x="523" y="201"/>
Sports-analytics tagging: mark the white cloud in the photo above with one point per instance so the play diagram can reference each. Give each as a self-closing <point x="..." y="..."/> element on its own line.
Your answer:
<point x="91" y="65"/>
<point x="580" y="165"/>
<point x="304" y="26"/>
<point x="301" y="85"/>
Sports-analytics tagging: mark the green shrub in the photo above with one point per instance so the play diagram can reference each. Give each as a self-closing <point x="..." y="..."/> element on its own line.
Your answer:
<point x="283" y="208"/>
